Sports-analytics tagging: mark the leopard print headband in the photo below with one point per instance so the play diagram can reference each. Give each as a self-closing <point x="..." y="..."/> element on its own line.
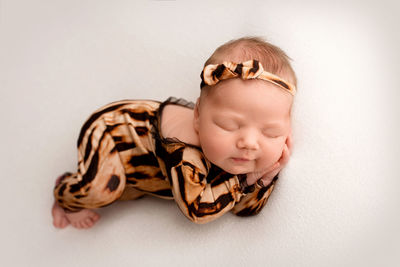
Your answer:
<point x="251" y="69"/>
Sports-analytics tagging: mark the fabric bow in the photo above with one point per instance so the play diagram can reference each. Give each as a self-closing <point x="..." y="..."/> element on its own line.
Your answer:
<point x="251" y="69"/>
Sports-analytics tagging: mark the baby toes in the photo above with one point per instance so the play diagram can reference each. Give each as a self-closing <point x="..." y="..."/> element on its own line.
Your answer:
<point x="64" y="223"/>
<point x="89" y="222"/>
<point x="76" y="225"/>
<point x="56" y="221"/>
<point x="83" y="224"/>
<point x="60" y="221"/>
<point x="95" y="217"/>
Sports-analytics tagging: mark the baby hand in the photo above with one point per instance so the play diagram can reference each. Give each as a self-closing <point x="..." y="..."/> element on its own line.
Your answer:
<point x="265" y="176"/>
<point x="278" y="166"/>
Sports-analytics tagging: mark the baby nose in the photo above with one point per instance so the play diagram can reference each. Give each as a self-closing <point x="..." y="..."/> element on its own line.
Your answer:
<point x="248" y="141"/>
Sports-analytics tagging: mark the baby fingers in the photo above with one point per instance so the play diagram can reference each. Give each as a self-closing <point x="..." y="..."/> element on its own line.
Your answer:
<point x="285" y="156"/>
<point x="289" y="144"/>
<point x="269" y="176"/>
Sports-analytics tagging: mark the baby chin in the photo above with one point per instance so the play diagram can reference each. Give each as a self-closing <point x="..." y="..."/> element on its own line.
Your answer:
<point x="238" y="166"/>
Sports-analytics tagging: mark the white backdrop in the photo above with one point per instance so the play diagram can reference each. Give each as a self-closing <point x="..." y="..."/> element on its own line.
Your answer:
<point x="337" y="202"/>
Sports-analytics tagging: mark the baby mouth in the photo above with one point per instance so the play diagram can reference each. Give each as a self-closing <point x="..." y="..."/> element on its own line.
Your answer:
<point x="240" y="159"/>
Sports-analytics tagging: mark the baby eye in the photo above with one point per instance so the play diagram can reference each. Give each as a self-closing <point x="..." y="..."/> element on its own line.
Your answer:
<point x="271" y="134"/>
<point x="227" y="126"/>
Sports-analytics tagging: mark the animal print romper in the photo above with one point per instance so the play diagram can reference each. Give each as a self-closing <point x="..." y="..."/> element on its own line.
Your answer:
<point x="122" y="155"/>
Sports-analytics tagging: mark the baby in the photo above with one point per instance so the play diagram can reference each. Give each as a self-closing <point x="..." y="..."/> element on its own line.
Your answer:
<point x="221" y="154"/>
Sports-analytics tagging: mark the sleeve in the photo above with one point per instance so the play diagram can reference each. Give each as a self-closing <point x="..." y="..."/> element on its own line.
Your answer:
<point x="254" y="200"/>
<point x="199" y="200"/>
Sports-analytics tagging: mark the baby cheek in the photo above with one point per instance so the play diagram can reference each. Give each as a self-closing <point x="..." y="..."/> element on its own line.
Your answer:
<point x="265" y="162"/>
<point x="212" y="143"/>
<point x="271" y="154"/>
<point x="219" y="141"/>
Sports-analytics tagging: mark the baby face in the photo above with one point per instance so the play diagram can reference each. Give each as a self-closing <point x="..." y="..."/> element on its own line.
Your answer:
<point x="243" y="124"/>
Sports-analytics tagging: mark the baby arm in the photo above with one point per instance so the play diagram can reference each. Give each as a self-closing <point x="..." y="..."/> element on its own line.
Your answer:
<point x="254" y="200"/>
<point x="200" y="197"/>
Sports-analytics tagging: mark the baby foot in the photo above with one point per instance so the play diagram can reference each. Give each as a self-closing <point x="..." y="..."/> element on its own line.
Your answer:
<point x="82" y="219"/>
<point x="59" y="218"/>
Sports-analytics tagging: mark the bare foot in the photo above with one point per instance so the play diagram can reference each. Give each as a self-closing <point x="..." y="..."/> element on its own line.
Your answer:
<point x="59" y="218"/>
<point x="82" y="219"/>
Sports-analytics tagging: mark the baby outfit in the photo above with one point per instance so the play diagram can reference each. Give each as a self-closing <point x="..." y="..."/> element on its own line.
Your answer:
<point x="122" y="155"/>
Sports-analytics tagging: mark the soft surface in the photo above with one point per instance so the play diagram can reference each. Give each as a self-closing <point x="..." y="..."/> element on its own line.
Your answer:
<point x="337" y="202"/>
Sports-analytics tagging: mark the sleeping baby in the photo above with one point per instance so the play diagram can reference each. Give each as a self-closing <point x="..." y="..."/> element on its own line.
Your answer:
<point x="223" y="153"/>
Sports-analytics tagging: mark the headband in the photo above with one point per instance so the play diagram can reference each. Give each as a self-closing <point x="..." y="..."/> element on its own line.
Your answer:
<point x="251" y="69"/>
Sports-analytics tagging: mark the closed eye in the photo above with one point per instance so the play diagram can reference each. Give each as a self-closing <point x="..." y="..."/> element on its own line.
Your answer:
<point x="271" y="134"/>
<point x="227" y="126"/>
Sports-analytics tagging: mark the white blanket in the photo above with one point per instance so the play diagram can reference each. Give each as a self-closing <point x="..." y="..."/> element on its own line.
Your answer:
<point x="337" y="202"/>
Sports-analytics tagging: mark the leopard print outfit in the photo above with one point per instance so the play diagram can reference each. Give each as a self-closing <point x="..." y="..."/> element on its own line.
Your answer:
<point x="122" y="155"/>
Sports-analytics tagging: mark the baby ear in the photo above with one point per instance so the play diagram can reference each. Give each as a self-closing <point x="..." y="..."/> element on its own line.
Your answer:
<point x="196" y="116"/>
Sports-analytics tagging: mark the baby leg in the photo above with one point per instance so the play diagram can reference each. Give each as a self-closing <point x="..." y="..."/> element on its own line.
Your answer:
<point x="99" y="181"/>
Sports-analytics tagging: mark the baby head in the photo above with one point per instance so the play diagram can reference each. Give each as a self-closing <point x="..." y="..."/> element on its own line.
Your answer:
<point x="242" y="116"/>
